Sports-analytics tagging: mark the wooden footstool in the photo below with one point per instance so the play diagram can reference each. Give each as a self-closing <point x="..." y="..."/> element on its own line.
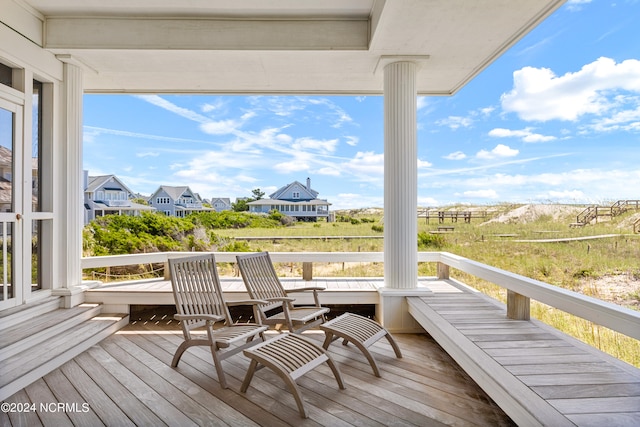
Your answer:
<point x="290" y="356"/>
<point x="361" y="331"/>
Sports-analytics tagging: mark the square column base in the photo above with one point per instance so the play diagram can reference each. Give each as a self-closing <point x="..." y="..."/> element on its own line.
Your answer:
<point x="393" y="311"/>
<point x="74" y="295"/>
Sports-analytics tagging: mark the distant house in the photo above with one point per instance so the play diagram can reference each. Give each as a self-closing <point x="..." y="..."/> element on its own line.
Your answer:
<point x="220" y="204"/>
<point x="107" y="195"/>
<point x="296" y="200"/>
<point x="6" y="178"/>
<point x="177" y="201"/>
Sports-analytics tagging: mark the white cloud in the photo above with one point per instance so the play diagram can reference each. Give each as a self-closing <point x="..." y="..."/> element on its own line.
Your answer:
<point x="351" y="200"/>
<point x="291" y="166"/>
<point x="169" y="106"/>
<point x="328" y="171"/>
<point x="499" y="151"/>
<point x="539" y="95"/>
<point x="525" y="135"/>
<point x="627" y="120"/>
<point x="148" y="154"/>
<point x="336" y="113"/>
<point x="455" y="122"/>
<point x="352" y="140"/>
<point x="218" y="105"/>
<point x="222" y="127"/>
<point x="481" y="194"/>
<point x="486" y="111"/>
<point x="90" y="133"/>
<point x="456" y="155"/>
<point x="427" y="201"/>
<point x="576" y="5"/>
<point x="564" y="196"/>
<point x="323" y="146"/>
<point x="424" y="164"/>
<point x="422" y="102"/>
<point x="368" y="162"/>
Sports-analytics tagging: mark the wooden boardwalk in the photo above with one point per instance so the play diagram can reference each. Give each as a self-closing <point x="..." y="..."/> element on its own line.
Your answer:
<point x="127" y="380"/>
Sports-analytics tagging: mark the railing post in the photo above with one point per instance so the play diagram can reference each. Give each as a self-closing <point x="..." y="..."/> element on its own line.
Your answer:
<point x="442" y="271"/>
<point x="517" y="306"/>
<point x="167" y="272"/>
<point x="307" y="271"/>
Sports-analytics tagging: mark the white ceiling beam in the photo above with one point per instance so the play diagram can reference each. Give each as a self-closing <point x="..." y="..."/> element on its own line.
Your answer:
<point x="206" y="34"/>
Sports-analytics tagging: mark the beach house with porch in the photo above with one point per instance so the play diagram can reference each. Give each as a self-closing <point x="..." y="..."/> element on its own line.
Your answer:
<point x="296" y="200"/>
<point x="178" y="201"/>
<point x="53" y="52"/>
<point x="108" y="195"/>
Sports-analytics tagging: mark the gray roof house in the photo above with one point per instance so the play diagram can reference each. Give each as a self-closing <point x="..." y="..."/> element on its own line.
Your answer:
<point x="296" y="200"/>
<point x="107" y="194"/>
<point x="220" y="204"/>
<point x="176" y="201"/>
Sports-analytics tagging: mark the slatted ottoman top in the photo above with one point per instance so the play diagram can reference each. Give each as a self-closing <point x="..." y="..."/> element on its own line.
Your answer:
<point x="361" y="331"/>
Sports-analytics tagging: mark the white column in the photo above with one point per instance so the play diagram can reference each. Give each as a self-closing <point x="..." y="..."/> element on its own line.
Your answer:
<point x="70" y="186"/>
<point x="400" y="176"/>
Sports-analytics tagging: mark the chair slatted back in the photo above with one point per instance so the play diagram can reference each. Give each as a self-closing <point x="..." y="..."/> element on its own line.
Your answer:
<point x="197" y="289"/>
<point x="260" y="278"/>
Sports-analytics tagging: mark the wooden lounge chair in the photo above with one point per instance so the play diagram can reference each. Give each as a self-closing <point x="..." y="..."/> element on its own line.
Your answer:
<point x="262" y="283"/>
<point x="200" y="303"/>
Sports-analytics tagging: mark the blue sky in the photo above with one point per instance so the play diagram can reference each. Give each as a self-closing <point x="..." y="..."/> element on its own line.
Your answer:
<point x="556" y="119"/>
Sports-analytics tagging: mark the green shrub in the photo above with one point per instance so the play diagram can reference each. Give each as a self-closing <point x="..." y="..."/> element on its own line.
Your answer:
<point x="378" y="228"/>
<point x="430" y="241"/>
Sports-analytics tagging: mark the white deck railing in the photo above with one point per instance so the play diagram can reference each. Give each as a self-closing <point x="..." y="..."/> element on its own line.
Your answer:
<point x="520" y="288"/>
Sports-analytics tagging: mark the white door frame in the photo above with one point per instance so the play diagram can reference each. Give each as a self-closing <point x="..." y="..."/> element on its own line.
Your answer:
<point x="14" y="106"/>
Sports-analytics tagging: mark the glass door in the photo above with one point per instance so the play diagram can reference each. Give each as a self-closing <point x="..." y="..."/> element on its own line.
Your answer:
<point x="11" y="293"/>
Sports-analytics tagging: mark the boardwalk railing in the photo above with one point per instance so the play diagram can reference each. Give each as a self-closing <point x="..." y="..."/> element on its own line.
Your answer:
<point x="618" y="208"/>
<point x="520" y="289"/>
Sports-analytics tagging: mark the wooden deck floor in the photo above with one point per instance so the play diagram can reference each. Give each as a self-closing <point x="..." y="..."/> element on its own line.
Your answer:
<point x="127" y="380"/>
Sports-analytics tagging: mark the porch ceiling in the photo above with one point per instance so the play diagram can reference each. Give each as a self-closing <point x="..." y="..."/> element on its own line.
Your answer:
<point x="281" y="46"/>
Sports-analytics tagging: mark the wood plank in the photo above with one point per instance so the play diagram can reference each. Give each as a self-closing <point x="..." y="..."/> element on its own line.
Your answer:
<point x="574" y="379"/>
<point x="76" y="407"/>
<point x="533" y="351"/>
<point x="151" y="398"/>
<point x="598" y="405"/>
<point x="197" y="413"/>
<point x="631" y="419"/>
<point x="98" y="400"/>
<point x="21" y="418"/>
<point x="561" y="368"/>
<point x="523" y="344"/>
<point x="137" y="411"/>
<point x="39" y="392"/>
<point x="588" y="390"/>
<point x="231" y="408"/>
<point x="214" y="408"/>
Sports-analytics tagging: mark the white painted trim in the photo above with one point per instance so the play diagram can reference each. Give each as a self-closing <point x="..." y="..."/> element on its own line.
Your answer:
<point x="68" y="33"/>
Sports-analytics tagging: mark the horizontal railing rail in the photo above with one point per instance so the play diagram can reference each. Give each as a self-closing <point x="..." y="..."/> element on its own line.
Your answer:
<point x="520" y="288"/>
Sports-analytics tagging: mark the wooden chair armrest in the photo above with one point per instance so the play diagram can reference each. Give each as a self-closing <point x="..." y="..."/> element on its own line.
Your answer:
<point x="279" y="299"/>
<point x="209" y="317"/>
<point x="305" y="289"/>
<point x="247" y="302"/>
